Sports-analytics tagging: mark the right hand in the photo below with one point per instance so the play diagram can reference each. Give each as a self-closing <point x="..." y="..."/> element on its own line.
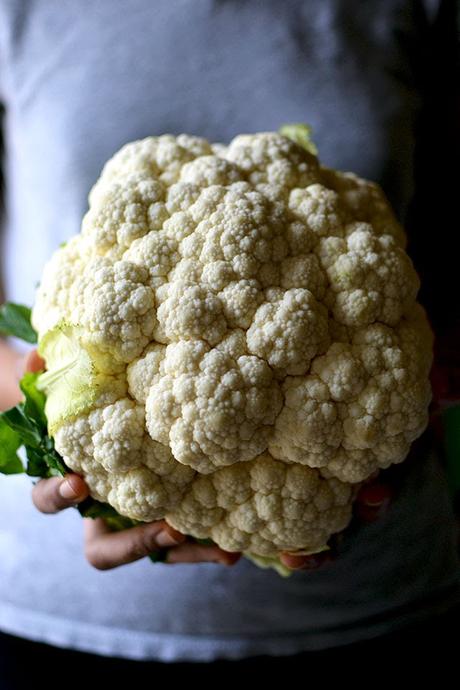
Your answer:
<point x="105" y="549"/>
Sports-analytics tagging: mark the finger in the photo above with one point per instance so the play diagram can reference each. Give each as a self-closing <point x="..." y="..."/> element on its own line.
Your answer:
<point x="105" y="549"/>
<point x="190" y="552"/>
<point x="373" y="500"/>
<point x="374" y="494"/>
<point x="311" y="562"/>
<point x="58" y="493"/>
<point x="32" y="362"/>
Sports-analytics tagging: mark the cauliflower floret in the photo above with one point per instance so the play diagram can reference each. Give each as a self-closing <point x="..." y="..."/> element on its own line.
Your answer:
<point x="263" y="507"/>
<point x="304" y="271"/>
<point x="189" y="311"/>
<point x="370" y="278"/>
<point x="114" y="309"/>
<point x="366" y="202"/>
<point x="127" y="210"/>
<point x="362" y="405"/>
<point x="240" y="299"/>
<point x="53" y="300"/>
<point x="208" y="170"/>
<point x="211" y="409"/>
<point x="271" y="160"/>
<point x="144" y="372"/>
<point x="157" y="252"/>
<point x="120" y="461"/>
<point x="159" y="158"/>
<point x="289" y="331"/>
<point x="320" y="209"/>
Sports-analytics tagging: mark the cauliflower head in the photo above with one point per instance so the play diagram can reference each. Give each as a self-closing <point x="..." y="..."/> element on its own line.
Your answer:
<point x="233" y="341"/>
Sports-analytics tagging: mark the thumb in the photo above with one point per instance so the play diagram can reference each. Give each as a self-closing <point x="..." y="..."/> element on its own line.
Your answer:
<point x="58" y="493"/>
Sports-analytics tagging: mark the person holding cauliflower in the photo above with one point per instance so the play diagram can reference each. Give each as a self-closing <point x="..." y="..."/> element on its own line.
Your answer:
<point x="233" y="344"/>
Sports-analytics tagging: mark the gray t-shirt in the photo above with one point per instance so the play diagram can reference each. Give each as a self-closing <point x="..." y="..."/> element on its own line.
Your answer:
<point x="79" y="79"/>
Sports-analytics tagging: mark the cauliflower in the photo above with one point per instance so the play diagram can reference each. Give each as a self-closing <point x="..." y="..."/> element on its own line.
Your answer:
<point x="233" y="341"/>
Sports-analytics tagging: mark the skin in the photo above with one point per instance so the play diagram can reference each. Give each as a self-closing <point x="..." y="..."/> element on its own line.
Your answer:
<point x="105" y="549"/>
<point x="11" y="369"/>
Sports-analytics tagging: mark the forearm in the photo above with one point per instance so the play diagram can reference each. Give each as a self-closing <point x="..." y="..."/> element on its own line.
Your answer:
<point x="9" y="374"/>
<point x="9" y="368"/>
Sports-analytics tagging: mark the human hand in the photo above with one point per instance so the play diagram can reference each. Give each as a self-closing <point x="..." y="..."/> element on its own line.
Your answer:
<point x="105" y="549"/>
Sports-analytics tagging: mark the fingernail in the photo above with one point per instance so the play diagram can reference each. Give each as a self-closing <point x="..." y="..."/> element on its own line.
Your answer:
<point x="67" y="491"/>
<point x="163" y="538"/>
<point x="375" y="496"/>
<point x="369" y="514"/>
<point x="377" y="509"/>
